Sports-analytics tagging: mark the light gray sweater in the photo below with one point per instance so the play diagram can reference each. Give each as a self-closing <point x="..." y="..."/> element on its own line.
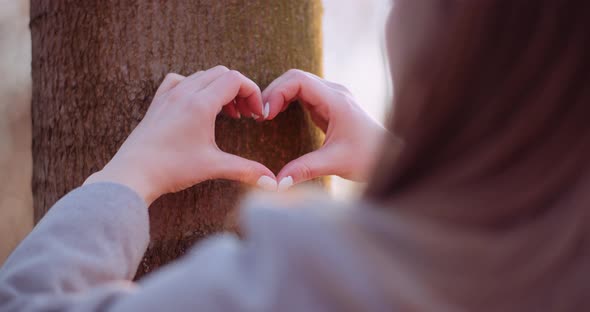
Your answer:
<point x="84" y="253"/>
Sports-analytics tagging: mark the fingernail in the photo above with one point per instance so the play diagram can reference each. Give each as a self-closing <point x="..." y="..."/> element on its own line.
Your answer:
<point x="239" y="115"/>
<point x="266" y="110"/>
<point x="285" y="184"/>
<point x="267" y="184"/>
<point x="255" y="116"/>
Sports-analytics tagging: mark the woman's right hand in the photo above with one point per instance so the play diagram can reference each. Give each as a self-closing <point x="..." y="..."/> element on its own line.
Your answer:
<point x="352" y="140"/>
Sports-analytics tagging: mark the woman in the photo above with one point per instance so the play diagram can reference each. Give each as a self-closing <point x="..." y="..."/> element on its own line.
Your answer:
<point x="482" y="207"/>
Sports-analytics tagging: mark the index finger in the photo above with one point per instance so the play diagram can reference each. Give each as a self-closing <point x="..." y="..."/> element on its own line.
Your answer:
<point x="297" y="85"/>
<point x="233" y="85"/>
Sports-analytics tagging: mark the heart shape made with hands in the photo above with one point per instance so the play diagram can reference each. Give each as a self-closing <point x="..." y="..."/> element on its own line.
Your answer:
<point x="174" y="147"/>
<point x="189" y="105"/>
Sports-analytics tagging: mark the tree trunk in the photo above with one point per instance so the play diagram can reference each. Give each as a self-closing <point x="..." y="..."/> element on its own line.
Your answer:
<point x="96" y="65"/>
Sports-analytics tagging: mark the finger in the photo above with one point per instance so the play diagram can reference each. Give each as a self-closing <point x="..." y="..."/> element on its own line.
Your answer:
<point x="170" y="81"/>
<point x="269" y="90"/>
<point x="233" y="85"/>
<point x="236" y="168"/>
<point x="298" y="85"/>
<point x="333" y="85"/>
<point x="278" y="81"/>
<point x="309" y="166"/>
<point x="200" y="80"/>
<point x="231" y="111"/>
<point x="243" y="108"/>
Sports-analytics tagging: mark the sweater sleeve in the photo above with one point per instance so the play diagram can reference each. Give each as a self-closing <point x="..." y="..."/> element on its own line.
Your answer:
<point x="94" y="237"/>
<point x="84" y="252"/>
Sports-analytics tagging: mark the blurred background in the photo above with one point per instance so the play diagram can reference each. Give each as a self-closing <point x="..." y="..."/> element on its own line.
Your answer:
<point x="354" y="56"/>
<point x="16" y="211"/>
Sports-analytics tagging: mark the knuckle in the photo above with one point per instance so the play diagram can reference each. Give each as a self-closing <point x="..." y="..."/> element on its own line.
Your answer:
<point x="342" y="88"/>
<point x="221" y="68"/>
<point x="343" y="96"/>
<point x="296" y="73"/>
<point x="234" y="74"/>
<point x="173" y="77"/>
<point x="300" y="77"/>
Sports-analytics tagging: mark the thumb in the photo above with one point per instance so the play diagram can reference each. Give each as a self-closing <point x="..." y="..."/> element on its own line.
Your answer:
<point x="235" y="168"/>
<point x="309" y="166"/>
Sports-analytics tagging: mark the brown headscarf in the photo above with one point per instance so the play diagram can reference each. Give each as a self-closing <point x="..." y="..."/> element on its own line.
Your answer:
<point x="493" y="111"/>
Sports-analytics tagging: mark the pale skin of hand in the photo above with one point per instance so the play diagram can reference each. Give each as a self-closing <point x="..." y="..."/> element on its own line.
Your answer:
<point x="353" y="138"/>
<point x="173" y="147"/>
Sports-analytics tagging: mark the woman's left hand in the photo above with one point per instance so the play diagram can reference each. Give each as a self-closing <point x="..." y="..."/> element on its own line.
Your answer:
<point x="174" y="147"/>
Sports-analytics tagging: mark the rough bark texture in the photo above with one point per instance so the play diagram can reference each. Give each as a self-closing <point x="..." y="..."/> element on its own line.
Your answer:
<point x="96" y="65"/>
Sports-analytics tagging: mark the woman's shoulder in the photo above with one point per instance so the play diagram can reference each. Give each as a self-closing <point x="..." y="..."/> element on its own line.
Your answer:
<point x="317" y="245"/>
<point x="302" y="223"/>
<point x="293" y="212"/>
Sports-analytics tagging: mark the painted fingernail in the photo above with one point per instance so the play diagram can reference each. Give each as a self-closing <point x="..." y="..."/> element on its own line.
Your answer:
<point x="267" y="184"/>
<point x="285" y="184"/>
<point x="255" y="116"/>
<point x="266" y="110"/>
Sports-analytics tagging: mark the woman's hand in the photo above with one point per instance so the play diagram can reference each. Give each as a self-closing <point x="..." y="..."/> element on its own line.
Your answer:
<point x="174" y="147"/>
<point x="352" y="136"/>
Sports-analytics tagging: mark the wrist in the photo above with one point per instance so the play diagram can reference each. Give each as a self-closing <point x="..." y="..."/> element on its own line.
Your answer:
<point x="126" y="176"/>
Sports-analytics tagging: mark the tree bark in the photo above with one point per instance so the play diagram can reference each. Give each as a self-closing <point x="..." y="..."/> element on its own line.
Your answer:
<point x="96" y="65"/>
